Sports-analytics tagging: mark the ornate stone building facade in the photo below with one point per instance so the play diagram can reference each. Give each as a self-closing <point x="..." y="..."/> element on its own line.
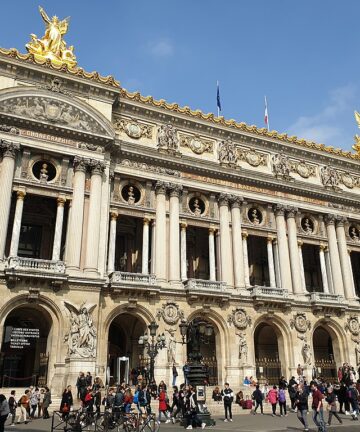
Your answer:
<point x="117" y="210"/>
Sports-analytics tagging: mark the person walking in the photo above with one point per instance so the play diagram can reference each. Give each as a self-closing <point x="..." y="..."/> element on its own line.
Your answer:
<point x="228" y="398"/>
<point x="81" y="386"/>
<point x="41" y="401"/>
<point x="192" y="410"/>
<point x="317" y="407"/>
<point x="46" y="402"/>
<point x="273" y="397"/>
<point x="12" y="406"/>
<point x="301" y="402"/>
<point x="24" y="407"/>
<point x="4" y="411"/>
<point x="353" y="396"/>
<point x="174" y="374"/>
<point x="282" y="402"/>
<point x="258" y="397"/>
<point x="66" y="402"/>
<point x="163" y="404"/>
<point x="331" y="400"/>
<point x="175" y="406"/>
<point x="34" y="401"/>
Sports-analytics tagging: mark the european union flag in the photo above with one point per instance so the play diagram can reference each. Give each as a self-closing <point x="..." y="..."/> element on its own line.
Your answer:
<point x="218" y="102"/>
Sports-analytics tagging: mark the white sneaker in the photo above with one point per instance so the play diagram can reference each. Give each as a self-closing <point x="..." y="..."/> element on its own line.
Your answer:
<point x="203" y="425"/>
<point x="173" y="420"/>
<point x="230" y="420"/>
<point x="189" y="427"/>
<point x="225" y="420"/>
<point x="347" y="413"/>
<point x="168" y="421"/>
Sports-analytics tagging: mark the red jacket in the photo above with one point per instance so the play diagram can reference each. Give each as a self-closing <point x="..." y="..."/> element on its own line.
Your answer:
<point x="273" y="396"/>
<point x="162" y="401"/>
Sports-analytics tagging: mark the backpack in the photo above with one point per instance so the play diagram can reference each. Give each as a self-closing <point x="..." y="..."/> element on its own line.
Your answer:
<point x="136" y="397"/>
<point x="12" y="403"/>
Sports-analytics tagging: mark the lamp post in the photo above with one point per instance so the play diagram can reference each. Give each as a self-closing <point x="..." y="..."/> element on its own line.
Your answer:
<point x="195" y="333"/>
<point x="153" y="345"/>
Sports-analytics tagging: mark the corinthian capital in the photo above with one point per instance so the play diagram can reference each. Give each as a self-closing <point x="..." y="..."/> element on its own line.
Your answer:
<point x="160" y="187"/>
<point x="175" y="189"/>
<point x="236" y="201"/>
<point x="279" y="209"/>
<point x="224" y="199"/>
<point x="9" y="149"/>
<point x="329" y="219"/>
<point x="291" y="212"/>
<point x="96" y="166"/>
<point x="340" y="221"/>
<point x="80" y="163"/>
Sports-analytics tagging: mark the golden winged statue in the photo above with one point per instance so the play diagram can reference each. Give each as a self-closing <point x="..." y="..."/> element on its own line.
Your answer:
<point x="52" y="45"/>
<point x="356" y="146"/>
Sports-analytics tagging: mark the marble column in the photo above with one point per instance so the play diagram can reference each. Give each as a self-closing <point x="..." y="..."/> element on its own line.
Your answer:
<point x="145" y="247"/>
<point x="93" y="227"/>
<point x="74" y="240"/>
<point x="334" y="255"/>
<point x="277" y="263"/>
<point x="225" y="240"/>
<point x="352" y="274"/>
<point x="284" y="260"/>
<point x="153" y="234"/>
<point x="270" y="255"/>
<point x="218" y="255"/>
<point x="244" y="236"/>
<point x="302" y="271"/>
<point x="112" y="241"/>
<point x="7" y="168"/>
<point x="174" y="239"/>
<point x="328" y="270"/>
<point x="14" y="245"/>
<point x="294" y="251"/>
<point x="344" y="257"/>
<point x="183" y="265"/>
<point x="58" y="228"/>
<point x="212" y="266"/>
<point x="239" y="278"/>
<point x="160" y="238"/>
<point x="324" y="275"/>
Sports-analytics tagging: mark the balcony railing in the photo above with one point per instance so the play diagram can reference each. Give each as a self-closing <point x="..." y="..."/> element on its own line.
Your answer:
<point x="41" y="265"/>
<point x="264" y="291"/>
<point x="204" y="285"/>
<point x="132" y="278"/>
<point x="320" y="297"/>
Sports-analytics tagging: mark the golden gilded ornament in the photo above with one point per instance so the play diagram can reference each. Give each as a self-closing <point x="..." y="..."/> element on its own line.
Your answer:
<point x="356" y="146"/>
<point x="52" y="45"/>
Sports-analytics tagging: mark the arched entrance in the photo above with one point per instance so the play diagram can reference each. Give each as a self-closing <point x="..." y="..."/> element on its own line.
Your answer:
<point x="25" y="347"/>
<point x="124" y="333"/>
<point x="267" y="358"/>
<point x="208" y="347"/>
<point x="324" y="354"/>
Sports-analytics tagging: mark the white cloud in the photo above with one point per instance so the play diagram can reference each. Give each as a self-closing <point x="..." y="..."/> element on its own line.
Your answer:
<point x="161" y="48"/>
<point x="325" y="126"/>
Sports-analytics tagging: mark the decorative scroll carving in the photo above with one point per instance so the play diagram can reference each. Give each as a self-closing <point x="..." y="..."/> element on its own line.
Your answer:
<point x="145" y="167"/>
<point x="91" y="147"/>
<point x="228" y="153"/>
<point x="56" y="86"/>
<point x="196" y="144"/>
<point x="81" y="338"/>
<point x="170" y="313"/>
<point x="349" y="180"/>
<point x="239" y="318"/>
<point x="51" y="110"/>
<point x="300" y="323"/>
<point x="133" y="128"/>
<point x="282" y="167"/>
<point x="252" y="157"/>
<point x="303" y="169"/>
<point x="9" y="129"/>
<point x="330" y="178"/>
<point x="353" y="325"/>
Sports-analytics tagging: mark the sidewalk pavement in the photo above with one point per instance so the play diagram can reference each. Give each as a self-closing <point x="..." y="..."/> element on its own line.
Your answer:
<point x="243" y="423"/>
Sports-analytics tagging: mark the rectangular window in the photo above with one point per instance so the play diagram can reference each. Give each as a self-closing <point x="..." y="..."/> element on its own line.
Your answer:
<point x="30" y="241"/>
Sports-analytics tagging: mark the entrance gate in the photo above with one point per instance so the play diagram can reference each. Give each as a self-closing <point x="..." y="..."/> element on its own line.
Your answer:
<point x="268" y="370"/>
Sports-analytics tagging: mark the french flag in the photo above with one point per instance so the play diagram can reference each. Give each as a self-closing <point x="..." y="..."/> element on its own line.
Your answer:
<point x="266" y="116"/>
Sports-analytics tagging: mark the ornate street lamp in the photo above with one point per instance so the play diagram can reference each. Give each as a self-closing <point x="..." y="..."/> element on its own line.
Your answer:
<point x="194" y="334"/>
<point x="153" y="344"/>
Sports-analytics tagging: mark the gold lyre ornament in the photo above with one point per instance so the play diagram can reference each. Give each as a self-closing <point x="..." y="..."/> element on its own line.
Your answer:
<point x="52" y="45"/>
<point x="356" y="146"/>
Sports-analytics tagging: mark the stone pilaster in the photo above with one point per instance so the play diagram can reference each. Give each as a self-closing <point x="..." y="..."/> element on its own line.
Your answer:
<point x="153" y="245"/>
<point x="334" y="255"/>
<point x="284" y="260"/>
<point x="344" y="258"/>
<point x="174" y="240"/>
<point x="270" y="255"/>
<point x="183" y="264"/>
<point x="324" y="275"/>
<point x="239" y="278"/>
<point x="9" y="151"/>
<point x="225" y="240"/>
<point x="294" y="251"/>
<point x="112" y="241"/>
<point x="17" y="223"/>
<point x="160" y="238"/>
<point x="244" y="236"/>
<point x="58" y="228"/>
<point x="74" y="239"/>
<point x="302" y="271"/>
<point x="145" y="247"/>
<point x="277" y="263"/>
<point x="212" y="267"/>
<point x="93" y="227"/>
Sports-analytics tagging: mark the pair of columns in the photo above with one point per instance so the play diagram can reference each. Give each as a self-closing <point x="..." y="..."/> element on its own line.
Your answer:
<point x="112" y="244"/>
<point x="15" y="237"/>
<point x="74" y="242"/>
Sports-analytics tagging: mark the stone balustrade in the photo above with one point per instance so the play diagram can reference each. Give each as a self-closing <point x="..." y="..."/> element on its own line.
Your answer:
<point x="268" y="292"/>
<point x="132" y="278"/>
<point x="202" y="284"/>
<point x="321" y="297"/>
<point x="20" y="263"/>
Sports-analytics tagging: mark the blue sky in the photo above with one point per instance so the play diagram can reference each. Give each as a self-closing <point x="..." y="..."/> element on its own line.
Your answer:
<point x="304" y="55"/>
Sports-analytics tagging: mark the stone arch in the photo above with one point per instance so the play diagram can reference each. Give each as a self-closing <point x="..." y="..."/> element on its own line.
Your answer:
<point x="56" y="109"/>
<point x="54" y="317"/>
<point x="222" y="339"/>
<point x="284" y="340"/>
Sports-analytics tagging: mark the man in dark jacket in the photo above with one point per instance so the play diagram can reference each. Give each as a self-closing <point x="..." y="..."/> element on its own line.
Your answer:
<point x="258" y="397"/>
<point x="228" y="398"/>
<point x="301" y="402"/>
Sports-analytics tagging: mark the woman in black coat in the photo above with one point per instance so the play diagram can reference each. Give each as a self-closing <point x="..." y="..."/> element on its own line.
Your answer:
<point x="66" y="402"/>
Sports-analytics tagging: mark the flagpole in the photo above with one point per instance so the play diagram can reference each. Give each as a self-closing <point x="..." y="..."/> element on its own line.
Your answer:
<point x="267" y="114"/>
<point x="218" y="108"/>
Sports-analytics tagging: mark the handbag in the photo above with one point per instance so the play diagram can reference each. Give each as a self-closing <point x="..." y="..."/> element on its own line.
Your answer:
<point x="65" y="408"/>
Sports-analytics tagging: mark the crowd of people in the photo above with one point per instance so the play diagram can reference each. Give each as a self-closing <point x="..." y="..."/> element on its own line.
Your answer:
<point x="181" y="404"/>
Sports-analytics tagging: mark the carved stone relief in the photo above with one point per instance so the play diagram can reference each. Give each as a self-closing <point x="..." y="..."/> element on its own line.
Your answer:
<point x="303" y="169"/>
<point x="196" y="144"/>
<point x="167" y="138"/>
<point x="330" y="178"/>
<point x="145" y="167"/>
<point x="239" y="318"/>
<point x="133" y="128"/>
<point x="300" y="323"/>
<point x="228" y="153"/>
<point x="282" y="167"/>
<point x="170" y="313"/>
<point x="252" y="157"/>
